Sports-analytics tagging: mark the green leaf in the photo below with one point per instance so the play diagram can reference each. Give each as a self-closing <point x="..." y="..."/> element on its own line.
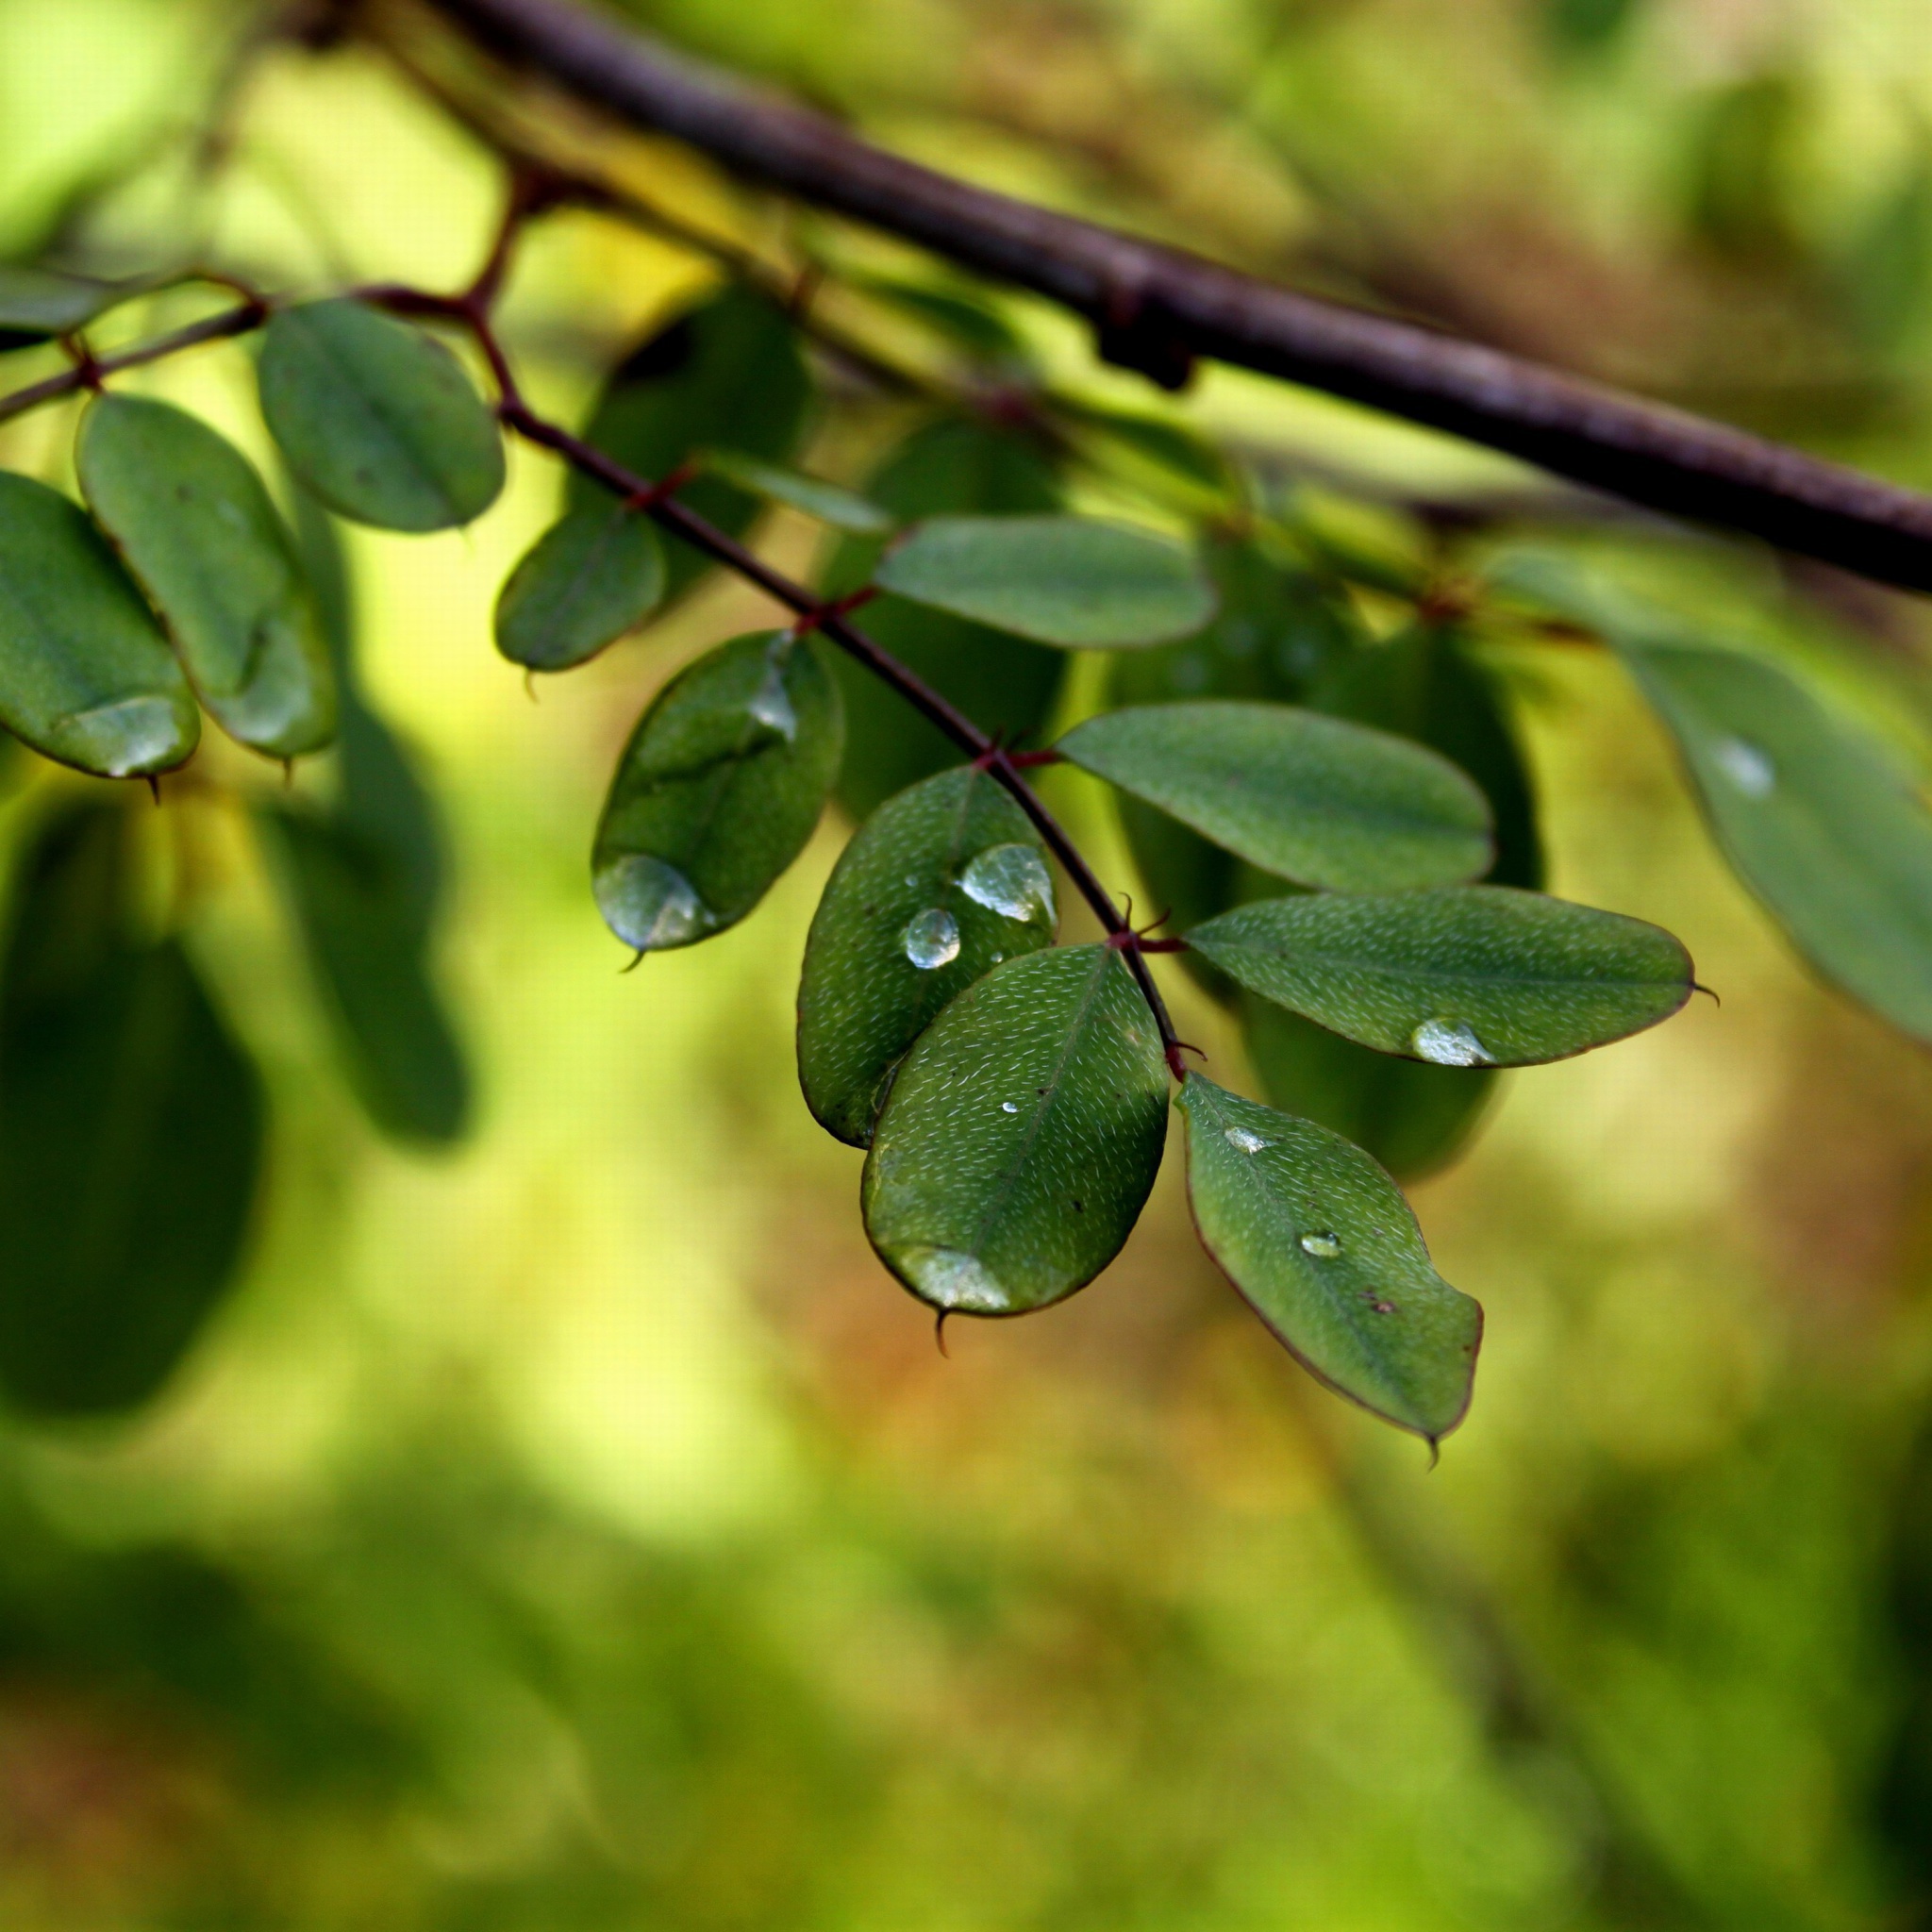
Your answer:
<point x="86" y="677"/>
<point x="1021" y="1137"/>
<point x="968" y="323"/>
<point x="130" y="1135"/>
<point x="842" y="509"/>
<point x="1323" y="1248"/>
<point x="939" y="885"/>
<point x="728" y="373"/>
<point x="365" y="943"/>
<point x="195" y="528"/>
<point x="1310" y="798"/>
<point x="1002" y="683"/>
<point x="1070" y="581"/>
<point x="718" y="791"/>
<point x="37" y="304"/>
<point x="378" y="418"/>
<point x="1170" y="451"/>
<point x="592" y="576"/>
<point x="1463" y="976"/>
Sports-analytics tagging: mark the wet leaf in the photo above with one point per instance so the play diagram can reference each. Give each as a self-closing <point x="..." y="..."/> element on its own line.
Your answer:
<point x="718" y="791"/>
<point x="85" y="676"/>
<point x="1309" y="798"/>
<point x="378" y="419"/>
<point x="130" y="1135"/>
<point x="1021" y="1135"/>
<point x="939" y="885"/>
<point x="595" y="575"/>
<point x="1322" y="1245"/>
<point x="195" y="528"/>
<point x="842" y="510"/>
<point x="1070" y="581"/>
<point x="1462" y="976"/>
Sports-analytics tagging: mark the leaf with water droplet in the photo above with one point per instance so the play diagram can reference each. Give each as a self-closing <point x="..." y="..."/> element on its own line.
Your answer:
<point x="844" y="509"/>
<point x="1303" y="796"/>
<point x="131" y="1130"/>
<point x="195" y="528"/>
<point x="1072" y="581"/>
<point x="85" y="676"/>
<point x="377" y="418"/>
<point x="984" y="1211"/>
<point x="1464" y="977"/>
<point x="718" y="791"/>
<point x="595" y="573"/>
<point x="875" y="974"/>
<point x="1323" y="1248"/>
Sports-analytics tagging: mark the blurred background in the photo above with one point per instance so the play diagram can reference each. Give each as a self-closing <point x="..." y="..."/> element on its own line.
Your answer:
<point x="579" y="1528"/>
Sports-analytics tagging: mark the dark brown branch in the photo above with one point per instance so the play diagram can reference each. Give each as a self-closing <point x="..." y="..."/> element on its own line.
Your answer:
<point x="1156" y="307"/>
<point x="213" y="328"/>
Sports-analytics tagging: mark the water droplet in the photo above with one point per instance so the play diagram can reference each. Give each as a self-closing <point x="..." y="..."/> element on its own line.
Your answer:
<point x="931" y="938"/>
<point x="1324" y="1247"/>
<point x="648" y="904"/>
<point x="1745" y="766"/>
<point x="1009" y="1107"/>
<point x="998" y="958"/>
<point x="1247" y="1142"/>
<point x="1012" y="881"/>
<point x="1450" y="1043"/>
<point x="949" y="1279"/>
<point x="771" y="704"/>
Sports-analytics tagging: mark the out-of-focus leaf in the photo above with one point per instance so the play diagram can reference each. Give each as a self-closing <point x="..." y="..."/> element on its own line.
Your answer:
<point x="1742" y="170"/>
<point x="130" y="1135"/>
<point x="1070" y="581"/>
<point x="365" y="947"/>
<point x="973" y="326"/>
<point x="718" y="791"/>
<point x="844" y="509"/>
<point x="378" y="418"/>
<point x="1325" y="1249"/>
<point x="1002" y="683"/>
<point x="1306" y="797"/>
<point x="728" y="374"/>
<point x="593" y="576"/>
<point x="37" y="304"/>
<point x="1585" y="26"/>
<point x="85" y="676"/>
<point x="1888" y="268"/>
<point x="195" y="528"/>
<point x="939" y="885"/>
<point x="1021" y="1135"/>
<point x="1170" y="450"/>
<point x="1463" y="976"/>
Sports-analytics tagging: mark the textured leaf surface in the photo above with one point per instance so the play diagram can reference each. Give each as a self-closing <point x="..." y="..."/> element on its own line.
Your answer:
<point x="85" y="676"/>
<point x="1072" y="581"/>
<point x="1469" y="976"/>
<point x="378" y="419"/>
<point x="718" y="791"/>
<point x="1322" y="1245"/>
<point x="939" y="885"/>
<point x="1021" y="1137"/>
<point x="130" y="1135"/>
<point x="1309" y="798"/>
<point x="196" y="528"/>
<point x="845" y="509"/>
<point x="593" y="576"/>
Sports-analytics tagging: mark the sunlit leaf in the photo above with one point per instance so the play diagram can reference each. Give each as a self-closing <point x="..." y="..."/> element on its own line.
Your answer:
<point x="378" y="418"/>
<point x="844" y="509"/>
<point x="85" y="676"/>
<point x="1021" y="1135"/>
<point x="1322" y="1245"/>
<point x="1070" y="581"/>
<point x="718" y="791"/>
<point x="1306" y="797"/>
<point x="595" y="575"/>
<point x="939" y="885"/>
<point x="1171" y="452"/>
<point x="970" y="323"/>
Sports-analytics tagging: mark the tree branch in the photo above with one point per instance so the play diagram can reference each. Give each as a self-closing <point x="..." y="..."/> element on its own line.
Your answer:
<point x="1156" y="309"/>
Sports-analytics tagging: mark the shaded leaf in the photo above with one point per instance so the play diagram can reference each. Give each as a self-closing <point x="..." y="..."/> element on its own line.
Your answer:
<point x="85" y="676"/>
<point x="595" y="575"/>
<point x="842" y="510"/>
<point x="37" y="304"/>
<point x="718" y="791"/>
<point x="1309" y="798"/>
<point x="378" y="418"/>
<point x="1322" y="1245"/>
<point x="939" y="885"/>
<point x="970" y="323"/>
<point x="1021" y="1135"/>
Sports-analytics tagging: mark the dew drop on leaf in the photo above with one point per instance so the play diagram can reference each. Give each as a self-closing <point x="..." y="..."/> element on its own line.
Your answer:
<point x="950" y="1280"/>
<point x="1011" y="880"/>
<point x="1247" y="1142"/>
<point x="1324" y="1247"/>
<point x="649" y="904"/>
<point x="1450" y="1043"/>
<point x="770" y="704"/>
<point x="1746" y="767"/>
<point x="1009" y="1107"/>
<point x="931" y="938"/>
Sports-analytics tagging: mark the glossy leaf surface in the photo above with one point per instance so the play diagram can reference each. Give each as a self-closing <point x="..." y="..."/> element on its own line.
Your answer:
<point x="1070" y="581"/>
<point x="85" y="676"/>
<point x="130" y="1135"/>
<point x="941" y="884"/>
<point x="593" y="576"/>
<point x="718" y="791"/>
<point x="378" y="419"/>
<point x="1021" y="1137"/>
<point x="844" y="509"/>
<point x="1306" y="797"/>
<point x="194" y="525"/>
<point x="1322" y="1245"/>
